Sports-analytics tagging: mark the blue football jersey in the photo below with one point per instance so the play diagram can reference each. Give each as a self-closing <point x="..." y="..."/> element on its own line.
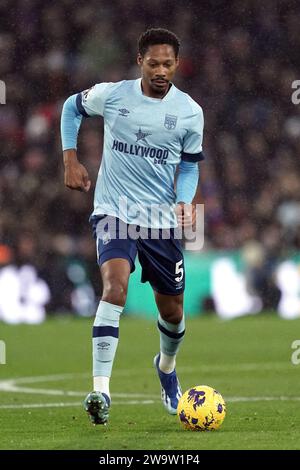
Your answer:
<point x="144" y="140"/>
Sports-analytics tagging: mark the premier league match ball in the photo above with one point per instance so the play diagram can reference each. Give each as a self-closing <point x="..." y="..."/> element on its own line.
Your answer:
<point x="201" y="408"/>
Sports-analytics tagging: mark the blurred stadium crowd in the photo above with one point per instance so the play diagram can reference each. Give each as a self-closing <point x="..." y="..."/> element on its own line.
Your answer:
<point x="238" y="60"/>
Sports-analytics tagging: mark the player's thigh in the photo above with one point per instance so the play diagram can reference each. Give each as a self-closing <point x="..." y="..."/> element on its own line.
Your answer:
<point x="162" y="265"/>
<point x="115" y="274"/>
<point x="115" y="271"/>
<point x="116" y="258"/>
<point x="112" y="240"/>
<point x="116" y="264"/>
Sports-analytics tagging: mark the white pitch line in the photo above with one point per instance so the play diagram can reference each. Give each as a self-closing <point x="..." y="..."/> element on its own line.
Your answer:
<point x="249" y="399"/>
<point x="76" y="404"/>
<point x="141" y="402"/>
<point x="257" y="366"/>
<point x="11" y="384"/>
<point x="10" y="387"/>
<point x="38" y="405"/>
<point x="14" y="385"/>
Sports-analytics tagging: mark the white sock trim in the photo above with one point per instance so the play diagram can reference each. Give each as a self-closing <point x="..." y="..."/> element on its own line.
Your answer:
<point x="167" y="363"/>
<point x="101" y="384"/>
<point x="108" y="314"/>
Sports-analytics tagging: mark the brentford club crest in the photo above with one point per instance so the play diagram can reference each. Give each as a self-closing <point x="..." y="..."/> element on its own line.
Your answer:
<point x="170" y="122"/>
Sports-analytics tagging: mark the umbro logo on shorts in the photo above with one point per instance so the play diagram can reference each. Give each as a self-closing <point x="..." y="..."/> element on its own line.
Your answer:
<point x="106" y="238"/>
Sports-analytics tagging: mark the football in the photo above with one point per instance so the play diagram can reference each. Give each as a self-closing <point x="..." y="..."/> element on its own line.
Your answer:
<point x="201" y="408"/>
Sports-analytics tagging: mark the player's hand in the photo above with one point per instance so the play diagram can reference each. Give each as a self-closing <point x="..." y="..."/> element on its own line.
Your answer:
<point x="186" y="214"/>
<point x="76" y="175"/>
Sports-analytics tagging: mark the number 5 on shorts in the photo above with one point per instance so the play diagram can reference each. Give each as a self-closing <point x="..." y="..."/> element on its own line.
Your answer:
<point x="179" y="270"/>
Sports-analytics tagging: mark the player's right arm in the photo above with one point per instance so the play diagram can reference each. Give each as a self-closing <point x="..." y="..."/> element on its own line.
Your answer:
<point x="88" y="103"/>
<point x="76" y="175"/>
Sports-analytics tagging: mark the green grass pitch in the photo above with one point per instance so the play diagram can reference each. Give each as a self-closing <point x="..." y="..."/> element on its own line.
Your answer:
<point x="248" y="360"/>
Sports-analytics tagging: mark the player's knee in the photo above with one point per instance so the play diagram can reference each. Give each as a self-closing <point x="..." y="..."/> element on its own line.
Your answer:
<point x="173" y="312"/>
<point x="115" y="293"/>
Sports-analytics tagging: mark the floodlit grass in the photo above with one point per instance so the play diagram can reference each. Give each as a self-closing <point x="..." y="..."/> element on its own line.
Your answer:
<point x="247" y="360"/>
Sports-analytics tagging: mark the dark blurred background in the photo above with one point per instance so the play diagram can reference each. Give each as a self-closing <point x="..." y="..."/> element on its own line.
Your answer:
<point x="238" y="61"/>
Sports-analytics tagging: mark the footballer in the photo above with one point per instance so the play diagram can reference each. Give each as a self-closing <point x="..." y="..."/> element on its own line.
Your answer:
<point x="152" y="130"/>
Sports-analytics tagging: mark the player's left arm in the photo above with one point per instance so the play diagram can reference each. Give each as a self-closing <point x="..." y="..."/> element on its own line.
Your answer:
<point x="186" y="187"/>
<point x="188" y="169"/>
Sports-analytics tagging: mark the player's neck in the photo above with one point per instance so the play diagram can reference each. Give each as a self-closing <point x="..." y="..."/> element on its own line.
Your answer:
<point x="148" y="91"/>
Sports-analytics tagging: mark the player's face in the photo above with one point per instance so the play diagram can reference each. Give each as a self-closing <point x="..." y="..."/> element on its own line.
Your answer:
<point x="158" y="67"/>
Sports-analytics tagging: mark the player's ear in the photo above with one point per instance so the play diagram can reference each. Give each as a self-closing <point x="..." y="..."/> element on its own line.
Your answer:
<point x="139" y="59"/>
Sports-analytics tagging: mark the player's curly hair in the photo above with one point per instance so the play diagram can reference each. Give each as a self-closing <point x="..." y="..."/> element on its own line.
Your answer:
<point x="158" y="36"/>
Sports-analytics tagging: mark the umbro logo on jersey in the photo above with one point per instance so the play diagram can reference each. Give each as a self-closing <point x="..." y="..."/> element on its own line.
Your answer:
<point x="123" y="112"/>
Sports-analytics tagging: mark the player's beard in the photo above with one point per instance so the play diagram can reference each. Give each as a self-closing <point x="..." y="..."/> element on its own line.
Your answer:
<point x="160" y="88"/>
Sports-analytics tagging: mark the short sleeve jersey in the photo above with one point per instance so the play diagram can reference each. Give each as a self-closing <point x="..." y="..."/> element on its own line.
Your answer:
<point x="144" y="140"/>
